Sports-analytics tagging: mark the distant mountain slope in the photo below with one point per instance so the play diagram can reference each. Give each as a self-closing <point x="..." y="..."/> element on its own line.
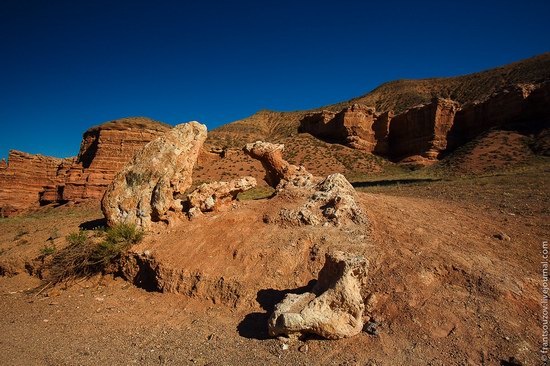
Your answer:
<point x="397" y="96"/>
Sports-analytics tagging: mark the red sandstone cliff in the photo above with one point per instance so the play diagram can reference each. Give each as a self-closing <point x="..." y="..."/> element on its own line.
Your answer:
<point x="25" y="178"/>
<point x="358" y="126"/>
<point x="28" y="181"/>
<point x="104" y="150"/>
<point x="429" y="129"/>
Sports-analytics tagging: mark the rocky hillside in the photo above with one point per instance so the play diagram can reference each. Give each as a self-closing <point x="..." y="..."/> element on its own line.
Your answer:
<point x="397" y="96"/>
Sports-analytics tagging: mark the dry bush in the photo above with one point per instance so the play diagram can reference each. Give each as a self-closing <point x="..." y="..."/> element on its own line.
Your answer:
<point x="86" y="255"/>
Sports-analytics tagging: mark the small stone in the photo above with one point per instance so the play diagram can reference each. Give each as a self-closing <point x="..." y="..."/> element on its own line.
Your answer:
<point x="284" y="346"/>
<point x="303" y="348"/>
<point x="371" y="328"/>
<point x="502" y="236"/>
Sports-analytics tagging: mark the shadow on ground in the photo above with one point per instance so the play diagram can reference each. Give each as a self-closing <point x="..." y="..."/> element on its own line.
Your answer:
<point x="254" y="325"/>
<point x="93" y="224"/>
<point x="393" y="182"/>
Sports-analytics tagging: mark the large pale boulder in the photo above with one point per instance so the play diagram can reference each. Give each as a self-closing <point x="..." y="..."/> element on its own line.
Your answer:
<point x="333" y="201"/>
<point x="145" y="190"/>
<point x="212" y="196"/>
<point x="334" y="309"/>
<point x="279" y="172"/>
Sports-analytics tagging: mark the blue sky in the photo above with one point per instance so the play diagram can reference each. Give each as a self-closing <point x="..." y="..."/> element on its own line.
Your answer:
<point x="66" y="65"/>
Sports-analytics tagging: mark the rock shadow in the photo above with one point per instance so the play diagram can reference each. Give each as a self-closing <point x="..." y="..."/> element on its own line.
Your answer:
<point x="93" y="224"/>
<point x="254" y="325"/>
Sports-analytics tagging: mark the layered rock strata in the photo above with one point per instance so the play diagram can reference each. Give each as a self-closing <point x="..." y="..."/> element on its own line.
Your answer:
<point x="104" y="151"/>
<point x="425" y="131"/>
<point x="28" y="179"/>
<point x="358" y="126"/>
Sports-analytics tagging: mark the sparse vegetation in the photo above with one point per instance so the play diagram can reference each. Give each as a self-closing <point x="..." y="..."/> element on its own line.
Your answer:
<point x="47" y="250"/>
<point x="20" y="233"/>
<point x="256" y="193"/>
<point x="87" y="254"/>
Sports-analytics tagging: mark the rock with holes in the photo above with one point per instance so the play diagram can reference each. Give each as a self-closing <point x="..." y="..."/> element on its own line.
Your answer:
<point x="212" y="196"/>
<point x="333" y="201"/>
<point x="148" y="187"/>
<point x="279" y="172"/>
<point x="333" y="309"/>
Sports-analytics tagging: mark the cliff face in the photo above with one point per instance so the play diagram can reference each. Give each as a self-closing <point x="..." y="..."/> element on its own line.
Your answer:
<point x="28" y="181"/>
<point x="358" y="126"/>
<point x="103" y="152"/>
<point x="429" y="129"/>
<point x="26" y="177"/>
<point x="422" y="130"/>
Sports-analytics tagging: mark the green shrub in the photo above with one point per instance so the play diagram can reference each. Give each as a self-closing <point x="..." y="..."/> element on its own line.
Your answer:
<point x="47" y="250"/>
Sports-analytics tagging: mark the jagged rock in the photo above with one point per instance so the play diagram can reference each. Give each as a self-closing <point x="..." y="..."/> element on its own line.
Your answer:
<point x="522" y="106"/>
<point x="145" y="190"/>
<point x="279" y="173"/>
<point x="357" y="126"/>
<point x="211" y="196"/>
<point x="422" y="130"/>
<point x="334" y="309"/>
<point x="27" y="179"/>
<point x="333" y="201"/>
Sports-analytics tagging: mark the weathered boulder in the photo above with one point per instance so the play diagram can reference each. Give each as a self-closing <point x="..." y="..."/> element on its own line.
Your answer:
<point x="333" y="201"/>
<point x="145" y="190"/>
<point x="212" y="196"/>
<point x="279" y="172"/>
<point x="334" y="309"/>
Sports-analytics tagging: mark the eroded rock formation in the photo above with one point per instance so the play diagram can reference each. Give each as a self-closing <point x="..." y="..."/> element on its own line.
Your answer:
<point x="520" y="107"/>
<point x="423" y="132"/>
<point x="357" y="126"/>
<point x="212" y="196"/>
<point x="28" y="179"/>
<point x="335" y="307"/>
<point x="333" y="201"/>
<point x="104" y="151"/>
<point x="145" y="190"/>
<point x="279" y="172"/>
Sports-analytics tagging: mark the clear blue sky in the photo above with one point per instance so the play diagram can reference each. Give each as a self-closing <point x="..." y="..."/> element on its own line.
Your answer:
<point x="66" y="65"/>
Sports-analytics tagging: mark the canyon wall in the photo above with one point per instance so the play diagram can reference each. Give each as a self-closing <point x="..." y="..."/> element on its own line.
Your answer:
<point x="422" y="130"/>
<point x="427" y="130"/>
<point x="104" y="151"/>
<point x="28" y="181"/>
<point x="358" y="126"/>
<point x="25" y="179"/>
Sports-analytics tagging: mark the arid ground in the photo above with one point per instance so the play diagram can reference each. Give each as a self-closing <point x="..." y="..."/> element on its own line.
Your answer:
<point x="454" y="272"/>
